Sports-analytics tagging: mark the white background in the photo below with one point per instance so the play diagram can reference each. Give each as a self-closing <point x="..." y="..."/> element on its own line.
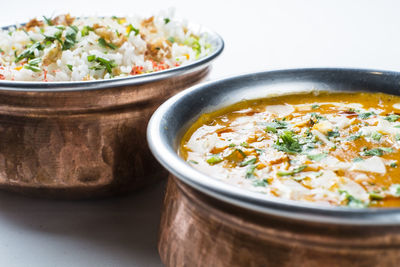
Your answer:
<point x="259" y="35"/>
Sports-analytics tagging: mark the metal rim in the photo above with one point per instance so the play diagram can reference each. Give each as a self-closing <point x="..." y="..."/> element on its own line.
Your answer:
<point x="168" y="157"/>
<point x="214" y="37"/>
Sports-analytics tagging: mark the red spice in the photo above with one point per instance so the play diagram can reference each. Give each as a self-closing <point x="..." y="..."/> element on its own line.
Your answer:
<point x="45" y="76"/>
<point x="2" y="77"/>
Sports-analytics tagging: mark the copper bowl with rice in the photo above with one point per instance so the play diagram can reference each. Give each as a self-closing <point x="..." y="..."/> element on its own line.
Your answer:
<point x="82" y="134"/>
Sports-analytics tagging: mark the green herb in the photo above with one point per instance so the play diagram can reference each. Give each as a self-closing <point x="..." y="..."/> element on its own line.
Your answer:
<point x="85" y="30"/>
<point x="288" y="143"/>
<point x="214" y="160"/>
<point x="29" y="53"/>
<point x="358" y="159"/>
<point x="315" y="106"/>
<point x="70" y="37"/>
<point x="232" y="145"/>
<point x="102" y="63"/>
<point x="132" y="29"/>
<point x="166" y="20"/>
<point x="392" y="117"/>
<point x="270" y="129"/>
<point x="352" y="201"/>
<point x="1" y="50"/>
<point x="193" y="161"/>
<point x="292" y="172"/>
<point x="395" y="188"/>
<point x="393" y="164"/>
<point x="32" y="68"/>
<point x="259" y="151"/>
<point x="317" y="116"/>
<point x="91" y="58"/>
<point x="244" y="144"/>
<point x="354" y="137"/>
<point x="366" y="115"/>
<point x="317" y="157"/>
<point x="248" y="162"/>
<point x="171" y="39"/>
<point x="376" y="151"/>
<point x="376" y="136"/>
<point x="375" y="196"/>
<point x="48" y="21"/>
<point x="70" y="67"/>
<point x="103" y="43"/>
<point x="263" y="182"/>
<point x="333" y="134"/>
<point x="250" y="171"/>
<point x="397" y="137"/>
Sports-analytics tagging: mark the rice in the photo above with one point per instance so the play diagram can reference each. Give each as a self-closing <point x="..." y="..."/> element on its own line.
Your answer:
<point x="81" y="49"/>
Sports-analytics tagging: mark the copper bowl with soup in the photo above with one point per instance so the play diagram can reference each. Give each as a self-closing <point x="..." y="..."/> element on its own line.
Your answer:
<point x="282" y="168"/>
<point x="67" y="136"/>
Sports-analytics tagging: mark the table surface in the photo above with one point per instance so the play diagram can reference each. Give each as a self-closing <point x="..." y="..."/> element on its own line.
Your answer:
<point x="259" y="35"/>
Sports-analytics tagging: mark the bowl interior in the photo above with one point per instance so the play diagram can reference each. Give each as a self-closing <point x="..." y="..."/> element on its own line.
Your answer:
<point x="173" y="118"/>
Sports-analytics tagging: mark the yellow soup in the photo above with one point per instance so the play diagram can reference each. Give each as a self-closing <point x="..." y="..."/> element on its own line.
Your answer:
<point x="339" y="149"/>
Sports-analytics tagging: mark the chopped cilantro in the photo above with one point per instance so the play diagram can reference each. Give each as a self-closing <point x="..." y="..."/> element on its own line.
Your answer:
<point x="248" y="162"/>
<point x="171" y="39"/>
<point x="263" y="182"/>
<point x="358" y="159"/>
<point x="166" y="20"/>
<point x="85" y="30"/>
<point x="214" y="160"/>
<point x="244" y="144"/>
<point x="375" y="196"/>
<point x="103" y="43"/>
<point x="70" y="67"/>
<point x="366" y="115"/>
<point x="317" y="116"/>
<point x="232" y="145"/>
<point x="48" y="21"/>
<point x="70" y="37"/>
<point x="315" y="106"/>
<point x="393" y="164"/>
<point x="132" y="29"/>
<point x="292" y="172"/>
<point x="29" y="53"/>
<point x="376" y="136"/>
<point x="288" y="142"/>
<point x="354" y="137"/>
<point x="392" y="117"/>
<point x="250" y="171"/>
<point x="333" y="134"/>
<point x="379" y="151"/>
<point x="351" y="201"/>
<point x="317" y="157"/>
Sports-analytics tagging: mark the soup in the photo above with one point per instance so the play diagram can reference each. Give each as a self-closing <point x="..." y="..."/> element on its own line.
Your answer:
<point x="337" y="149"/>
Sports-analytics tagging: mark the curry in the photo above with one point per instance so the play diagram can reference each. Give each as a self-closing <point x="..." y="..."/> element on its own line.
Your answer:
<point x="338" y="149"/>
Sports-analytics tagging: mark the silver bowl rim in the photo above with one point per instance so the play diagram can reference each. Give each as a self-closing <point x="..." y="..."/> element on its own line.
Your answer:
<point x="253" y="201"/>
<point x="29" y="86"/>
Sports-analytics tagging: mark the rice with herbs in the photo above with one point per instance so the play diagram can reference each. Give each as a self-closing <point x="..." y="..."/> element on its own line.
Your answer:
<point x="80" y="49"/>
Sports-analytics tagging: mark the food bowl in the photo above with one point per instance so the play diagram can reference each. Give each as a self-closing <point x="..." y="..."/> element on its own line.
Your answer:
<point x="208" y="222"/>
<point x="87" y="139"/>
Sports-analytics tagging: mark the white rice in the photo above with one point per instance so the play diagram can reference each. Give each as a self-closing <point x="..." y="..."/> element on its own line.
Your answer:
<point x="154" y="44"/>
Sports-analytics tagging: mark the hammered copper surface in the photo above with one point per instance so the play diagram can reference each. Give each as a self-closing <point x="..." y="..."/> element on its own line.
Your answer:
<point x="197" y="230"/>
<point x="85" y="143"/>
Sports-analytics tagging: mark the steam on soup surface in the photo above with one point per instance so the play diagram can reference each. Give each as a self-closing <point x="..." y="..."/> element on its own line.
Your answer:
<point x="338" y="149"/>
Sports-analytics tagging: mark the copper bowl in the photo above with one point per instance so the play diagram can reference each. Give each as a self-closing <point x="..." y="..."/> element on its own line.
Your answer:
<point x="87" y="139"/>
<point x="206" y="222"/>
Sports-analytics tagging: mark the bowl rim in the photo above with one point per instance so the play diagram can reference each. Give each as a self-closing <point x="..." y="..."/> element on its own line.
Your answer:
<point x="62" y="86"/>
<point x="254" y="201"/>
